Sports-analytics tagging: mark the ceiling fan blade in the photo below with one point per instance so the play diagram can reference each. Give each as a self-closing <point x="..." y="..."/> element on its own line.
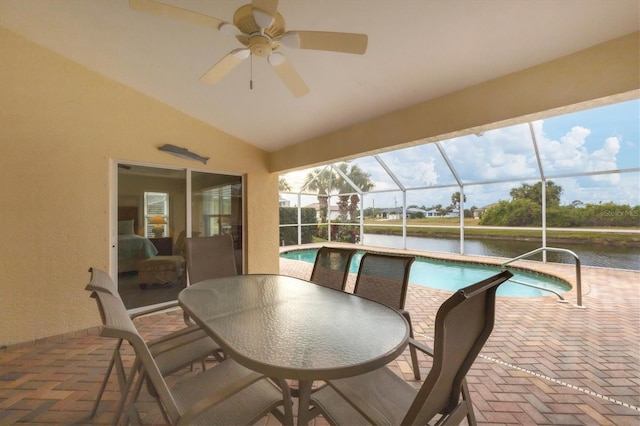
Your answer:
<point x="324" y="40"/>
<point x="264" y="12"/>
<point x="166" y="10"/>
<point x="224" y="66"/>
<point x="288" y="74"/>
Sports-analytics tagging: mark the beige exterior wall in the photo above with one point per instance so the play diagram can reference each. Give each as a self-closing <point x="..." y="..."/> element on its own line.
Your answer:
<point x="60" y="127"/>
<point x="605" y="73"/>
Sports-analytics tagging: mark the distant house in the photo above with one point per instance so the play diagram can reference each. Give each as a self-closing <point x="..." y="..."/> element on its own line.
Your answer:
<point x="392" y="214"/>
<point x="432" y="213"/>
<point x="477" y="213"/>
<point x="334" y="212"/>
<point x="454" y="213"/>
<point x="414" y="212"/>
<point x="284" y="203"/>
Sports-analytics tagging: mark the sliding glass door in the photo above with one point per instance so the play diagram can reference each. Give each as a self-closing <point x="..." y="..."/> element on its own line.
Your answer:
<point x="216" y="208"/>
<point x="157" y="209"/>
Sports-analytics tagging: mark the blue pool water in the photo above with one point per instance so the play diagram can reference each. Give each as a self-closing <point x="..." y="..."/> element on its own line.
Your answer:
<point x="452" y="276"/>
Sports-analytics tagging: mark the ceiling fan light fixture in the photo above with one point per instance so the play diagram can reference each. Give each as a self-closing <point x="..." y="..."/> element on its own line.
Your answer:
<point x="276" y="59"/>
<point x="262" y="18"/>
<point x="229" y="29"/>
<point x="291" y="39"/>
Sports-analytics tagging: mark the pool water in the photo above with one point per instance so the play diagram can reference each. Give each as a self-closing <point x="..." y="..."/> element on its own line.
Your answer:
<point x="452" y="276"/>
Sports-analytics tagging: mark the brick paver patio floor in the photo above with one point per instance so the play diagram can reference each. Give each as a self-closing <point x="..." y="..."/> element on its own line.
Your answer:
<point x="545" y="363"/>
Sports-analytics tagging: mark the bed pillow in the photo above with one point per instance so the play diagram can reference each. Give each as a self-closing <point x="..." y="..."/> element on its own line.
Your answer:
<point x="125" y="227"/>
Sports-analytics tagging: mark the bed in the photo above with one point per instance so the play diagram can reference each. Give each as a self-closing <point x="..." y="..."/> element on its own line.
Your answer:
<point x="132" y="248"/>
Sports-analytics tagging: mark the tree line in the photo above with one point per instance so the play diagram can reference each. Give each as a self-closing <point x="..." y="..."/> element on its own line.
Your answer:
<point x="525" y="209"/>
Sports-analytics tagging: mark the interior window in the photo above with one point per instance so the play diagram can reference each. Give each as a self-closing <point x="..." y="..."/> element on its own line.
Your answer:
<point x="156" y="214"/>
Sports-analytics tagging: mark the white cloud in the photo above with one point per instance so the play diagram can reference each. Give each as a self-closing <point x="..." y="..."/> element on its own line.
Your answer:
<point x="506" y="154"/>
<point x="570" y="153"/>
<point x="499" y="154"/>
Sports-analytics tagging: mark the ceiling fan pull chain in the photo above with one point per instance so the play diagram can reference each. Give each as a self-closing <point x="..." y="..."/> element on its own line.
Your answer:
<point x="251" y="72"/>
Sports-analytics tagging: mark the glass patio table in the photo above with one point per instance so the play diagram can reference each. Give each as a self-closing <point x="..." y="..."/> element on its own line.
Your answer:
<point x="288" y="328"/>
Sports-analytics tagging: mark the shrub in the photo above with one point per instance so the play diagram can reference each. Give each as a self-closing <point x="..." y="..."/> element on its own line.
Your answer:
<point x="289" y="216"/>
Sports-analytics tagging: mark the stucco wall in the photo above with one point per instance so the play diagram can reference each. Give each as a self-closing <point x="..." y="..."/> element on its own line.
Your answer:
<point x="60" y="127"/>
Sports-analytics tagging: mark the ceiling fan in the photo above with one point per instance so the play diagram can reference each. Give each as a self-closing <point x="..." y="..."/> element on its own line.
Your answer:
<point x="261" y="30"/>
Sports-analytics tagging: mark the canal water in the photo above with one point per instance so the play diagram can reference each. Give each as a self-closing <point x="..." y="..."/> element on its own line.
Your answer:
<point x="593" y="255"/>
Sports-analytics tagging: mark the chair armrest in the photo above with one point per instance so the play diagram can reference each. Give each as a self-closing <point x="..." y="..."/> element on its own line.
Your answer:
<point x="168" y="341"/>
<point x="413" y="342"/>
<point x="421" y="347"/>
<point x="142" y="311"/>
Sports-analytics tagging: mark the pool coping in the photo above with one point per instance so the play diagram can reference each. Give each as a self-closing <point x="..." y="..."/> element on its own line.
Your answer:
<point x="564" y="272"/>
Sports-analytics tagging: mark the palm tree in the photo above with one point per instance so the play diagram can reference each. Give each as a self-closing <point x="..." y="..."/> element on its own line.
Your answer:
<point x="319" y="181"/>
<point x="455" y="200"/>
<point x="283" y="185"/>
<point x="343" y="189"/>
<point x="362" y="180"/>
<point x="348" y="204"/>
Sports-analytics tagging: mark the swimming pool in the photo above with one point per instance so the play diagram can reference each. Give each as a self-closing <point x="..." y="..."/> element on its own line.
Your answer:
<point x="452" y="276"/>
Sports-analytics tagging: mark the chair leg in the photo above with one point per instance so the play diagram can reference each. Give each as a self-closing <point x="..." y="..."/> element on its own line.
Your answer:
<point x="135" y="393"/>
<point x="414" y="361"/>
<point x="107" y="374"/>
<point x="466" y="396"/>
<point x="125" y="393"/>
<point x="103" y="386"/>
<point x="414" y="353"/>
<point x="122" y="376"/>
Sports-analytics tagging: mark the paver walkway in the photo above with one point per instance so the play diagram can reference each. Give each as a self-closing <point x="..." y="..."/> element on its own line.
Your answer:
<point x="545" y="363"/>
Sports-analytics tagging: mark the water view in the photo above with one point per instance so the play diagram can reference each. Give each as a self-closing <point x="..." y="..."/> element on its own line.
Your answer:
<point x="593" y="255"/>
<point x="451" y="276"/>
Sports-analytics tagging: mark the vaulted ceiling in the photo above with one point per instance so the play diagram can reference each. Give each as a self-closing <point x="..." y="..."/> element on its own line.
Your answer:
<point x="417" y="50"/>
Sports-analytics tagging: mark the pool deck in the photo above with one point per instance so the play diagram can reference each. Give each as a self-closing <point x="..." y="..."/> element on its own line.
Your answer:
<point x="545" y="363"/>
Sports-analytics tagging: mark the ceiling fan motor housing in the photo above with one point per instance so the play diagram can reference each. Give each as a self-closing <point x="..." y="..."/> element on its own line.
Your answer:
<point x="259" y="41"/>
<point x="260" y="45"/>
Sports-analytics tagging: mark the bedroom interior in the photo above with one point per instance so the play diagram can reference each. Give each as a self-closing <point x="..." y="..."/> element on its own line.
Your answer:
<point x="153" y="223"/>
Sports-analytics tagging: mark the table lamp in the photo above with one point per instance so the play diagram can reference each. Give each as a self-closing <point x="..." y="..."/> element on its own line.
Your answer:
<point x="158" y="228"/>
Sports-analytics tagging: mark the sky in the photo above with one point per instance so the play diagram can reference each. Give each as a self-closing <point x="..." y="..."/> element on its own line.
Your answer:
<point x="598" y="140"/>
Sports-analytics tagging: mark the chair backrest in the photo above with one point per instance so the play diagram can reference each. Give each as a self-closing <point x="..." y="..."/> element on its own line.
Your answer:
<point x="331" y="267"/>
<point x="210" y="257"/>
<point x="178" y="246"/>
<point x="118" y="325"/>
<point x="384" y="278"/>
<point x="463" y="325"/>
<point x="101" y="281"/>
